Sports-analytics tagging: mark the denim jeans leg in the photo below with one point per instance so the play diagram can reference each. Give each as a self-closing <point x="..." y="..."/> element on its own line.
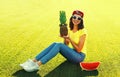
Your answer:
<point x="44" y="52"/>
<point x="53" y="52"/>
<point x="67" y="52"/>
<point x="71" y="55"/>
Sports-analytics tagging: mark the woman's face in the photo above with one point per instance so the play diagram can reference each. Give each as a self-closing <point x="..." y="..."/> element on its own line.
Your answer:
<point x="76" y="19"/>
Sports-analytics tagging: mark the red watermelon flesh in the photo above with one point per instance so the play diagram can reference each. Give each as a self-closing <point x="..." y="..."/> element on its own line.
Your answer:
<point x="89" y="65"/>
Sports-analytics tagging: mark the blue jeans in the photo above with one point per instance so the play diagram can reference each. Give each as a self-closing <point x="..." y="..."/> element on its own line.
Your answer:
<point x="69" y="53"/>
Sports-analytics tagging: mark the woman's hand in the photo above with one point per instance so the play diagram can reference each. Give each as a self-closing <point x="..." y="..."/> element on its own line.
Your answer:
<point x="66" y="39"/>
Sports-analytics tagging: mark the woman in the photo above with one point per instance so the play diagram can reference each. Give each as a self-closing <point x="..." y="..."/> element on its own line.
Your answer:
<point x="73" y="48"/>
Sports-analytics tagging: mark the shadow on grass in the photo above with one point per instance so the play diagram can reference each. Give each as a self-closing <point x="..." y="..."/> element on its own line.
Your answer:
<point x="67" y="69"/>
<point x="22" y="73"/>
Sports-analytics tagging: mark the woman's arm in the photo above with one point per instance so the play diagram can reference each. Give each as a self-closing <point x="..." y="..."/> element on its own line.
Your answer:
<point x="81" y="42"/>
<point x="78" y="47"/>
<point x="66" y="41"/>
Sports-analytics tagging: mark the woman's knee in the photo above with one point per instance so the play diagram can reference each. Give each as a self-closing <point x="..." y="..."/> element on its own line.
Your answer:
<point x="54" y="43"/>
<point x="59" y="43"/>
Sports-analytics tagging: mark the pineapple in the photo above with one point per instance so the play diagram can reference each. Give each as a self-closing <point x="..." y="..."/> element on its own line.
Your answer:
<point x="63" y="25"/>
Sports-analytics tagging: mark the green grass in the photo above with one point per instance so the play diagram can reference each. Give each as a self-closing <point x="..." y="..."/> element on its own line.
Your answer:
<point x="29" y="26"/>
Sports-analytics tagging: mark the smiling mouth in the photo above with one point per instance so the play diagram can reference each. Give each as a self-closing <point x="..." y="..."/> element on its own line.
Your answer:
<point x="76" y="22"/>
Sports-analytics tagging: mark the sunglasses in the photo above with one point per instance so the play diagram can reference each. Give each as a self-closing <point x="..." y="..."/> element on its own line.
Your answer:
<point x="75" y="17"/>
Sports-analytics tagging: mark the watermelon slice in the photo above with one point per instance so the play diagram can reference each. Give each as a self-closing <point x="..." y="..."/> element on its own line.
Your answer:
<point x="89" y="66"/>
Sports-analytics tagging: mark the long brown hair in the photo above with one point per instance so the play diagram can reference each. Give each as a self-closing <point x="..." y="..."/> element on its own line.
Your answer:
<point x="80" y="25"/>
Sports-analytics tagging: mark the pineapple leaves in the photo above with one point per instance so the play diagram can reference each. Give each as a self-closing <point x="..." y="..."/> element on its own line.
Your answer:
<point x="62" y="17"/>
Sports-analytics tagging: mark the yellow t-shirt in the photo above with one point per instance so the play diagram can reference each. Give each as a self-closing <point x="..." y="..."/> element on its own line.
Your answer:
<point x="76" y="37"/>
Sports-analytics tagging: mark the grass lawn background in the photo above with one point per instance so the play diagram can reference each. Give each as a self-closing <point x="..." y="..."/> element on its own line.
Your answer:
<point x="29" y="26"/>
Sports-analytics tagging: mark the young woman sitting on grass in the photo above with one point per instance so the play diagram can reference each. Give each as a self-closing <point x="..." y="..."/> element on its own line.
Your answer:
<point x="73" y="48"/>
